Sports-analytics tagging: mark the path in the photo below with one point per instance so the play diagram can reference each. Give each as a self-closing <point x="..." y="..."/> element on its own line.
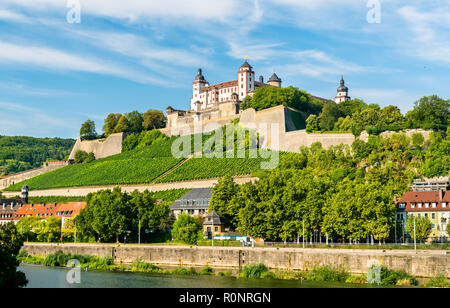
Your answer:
<point x="83" y="191"/>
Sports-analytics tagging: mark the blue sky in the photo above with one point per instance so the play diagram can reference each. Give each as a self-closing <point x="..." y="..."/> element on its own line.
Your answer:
<point x="144" y="54"/>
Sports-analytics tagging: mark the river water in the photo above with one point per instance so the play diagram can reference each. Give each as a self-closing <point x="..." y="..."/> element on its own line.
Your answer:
<point x="55" y="277"/>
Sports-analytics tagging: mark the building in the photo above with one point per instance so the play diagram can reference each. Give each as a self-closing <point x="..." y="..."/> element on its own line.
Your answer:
<point x="205" y="96"/>
<point x="213" y="224"/>
<point x="9" y="207"/>
<point x="195" y="202"/>
<point x="433" y="184"/>
<point x="435" y="205"/>
<point x="342" y="92"/>
<point x="63" y="210"/>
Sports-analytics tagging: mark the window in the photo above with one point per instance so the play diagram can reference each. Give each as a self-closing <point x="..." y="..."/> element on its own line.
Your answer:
<point x="427" y="205"/>
<point x="444" y="204"/>
<point x="419" y="205"/>
<point x="413" y="205"/>
<point x="433" y="205"/>
<point x="433" y="216"/>
<point x="426" y="215"/>
<point x="433" y="226"/>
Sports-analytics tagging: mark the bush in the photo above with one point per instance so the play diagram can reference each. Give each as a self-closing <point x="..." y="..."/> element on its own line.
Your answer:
<point x="392" y="278"/>
<point x="328" y="273"/>
<point x="206" y="271"/>
<point x="439" y="281"/>
<point x="183" y="271"/>
<point x="80" y="156"/>
<point x="356" y="279"/>
<point x="255" y="271"/>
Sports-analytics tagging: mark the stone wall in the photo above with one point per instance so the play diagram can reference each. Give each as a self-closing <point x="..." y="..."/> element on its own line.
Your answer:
<point x="25" y="175"/>
<point x="101" y="148"/>
<point x="421" y="263"/>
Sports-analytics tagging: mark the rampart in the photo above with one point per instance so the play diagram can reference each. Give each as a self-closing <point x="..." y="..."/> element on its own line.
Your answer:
<point x="101" y="147"/>
<point x="25" y="175"/>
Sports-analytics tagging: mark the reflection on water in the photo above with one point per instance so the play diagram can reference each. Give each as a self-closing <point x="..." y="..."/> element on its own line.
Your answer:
<point x="55" y="277"/>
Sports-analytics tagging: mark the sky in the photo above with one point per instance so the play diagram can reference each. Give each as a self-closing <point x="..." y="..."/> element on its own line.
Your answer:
<point x="63" y="62"/>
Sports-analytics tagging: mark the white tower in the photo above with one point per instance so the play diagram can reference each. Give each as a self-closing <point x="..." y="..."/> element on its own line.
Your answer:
<point x="246" y="80"/>
<point x="198" y="84"/>
<point x="342" y="92"/>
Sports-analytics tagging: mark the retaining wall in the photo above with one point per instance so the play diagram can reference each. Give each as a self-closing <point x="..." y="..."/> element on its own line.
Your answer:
<point x="421" y="263"/>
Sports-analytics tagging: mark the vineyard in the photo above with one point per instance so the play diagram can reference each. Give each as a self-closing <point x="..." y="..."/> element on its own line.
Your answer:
<point x="146" y="165"/>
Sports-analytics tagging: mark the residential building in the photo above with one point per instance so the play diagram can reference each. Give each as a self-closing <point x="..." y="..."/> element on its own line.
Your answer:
<point x="213" y="224"/>
<point x="63" y="210"/>
<point x="433" y="184"/>
<point x="195" y="202"/>
<point x="435" y="205"/>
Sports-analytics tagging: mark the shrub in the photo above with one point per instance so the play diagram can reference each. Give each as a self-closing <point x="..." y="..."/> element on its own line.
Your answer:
<point x="392" y="277"/>
<point x="356" y="279"/>
<point x="328" y="273"/>
<point x="183" y="271"/>
<point x="206" y="271"/>
<point x="439" y="281"/>
<point x="80" y="156"/>
<point x="255" y="271"/>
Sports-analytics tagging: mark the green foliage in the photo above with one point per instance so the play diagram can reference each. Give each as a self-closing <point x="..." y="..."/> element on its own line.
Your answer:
<point x="256" y="271"/>
<point x="267" y="97"/>
<point x="392" y="278"/>
<point x="312" y="124"/>
<point x="87" y="130"/>
<point x="328" y="273"/>
<point x="423" y="227"/>
<point x="187" y="229"/>
<point x="143" y="139"/>
<point x="83" y="157"/>
<point x="10" y="243"/>
<point x="22" y="153"/>
<point x="55" y="199"/>
<point x="430" y="112"/>
<point x="222" y="201"/>
<point x="154" y="119"/>
<point x="439" y="281"/>
<point x="206" y="271"/>
<point x="111" y="214"/>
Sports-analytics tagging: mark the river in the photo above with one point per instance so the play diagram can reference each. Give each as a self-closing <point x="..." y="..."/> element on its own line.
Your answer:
<point x="55" y="277"/>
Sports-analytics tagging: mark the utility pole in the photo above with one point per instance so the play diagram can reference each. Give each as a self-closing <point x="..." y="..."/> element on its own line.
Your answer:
<point x="139" y="232"/>
<point x="415" y="245"/>
<point x="395" y="235"/>
<point x="75" y="231"/>
<point x="303" y="236"/>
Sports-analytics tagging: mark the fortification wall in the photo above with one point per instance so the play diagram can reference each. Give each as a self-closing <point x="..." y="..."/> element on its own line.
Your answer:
<point x="101" y="148"/>
<point x="25" y="175"/>
<point x="426" y="263"/>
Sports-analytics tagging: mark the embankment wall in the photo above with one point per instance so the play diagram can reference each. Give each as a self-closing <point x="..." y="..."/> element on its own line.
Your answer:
<point x="422" y="263"/>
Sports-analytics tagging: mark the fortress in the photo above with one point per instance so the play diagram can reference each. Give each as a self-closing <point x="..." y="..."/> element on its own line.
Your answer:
<point x="220" y="104"/>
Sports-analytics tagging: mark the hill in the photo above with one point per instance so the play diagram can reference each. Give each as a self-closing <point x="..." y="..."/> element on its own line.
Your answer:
<point x="153" y="163"/>
<point x="23" y="153"/>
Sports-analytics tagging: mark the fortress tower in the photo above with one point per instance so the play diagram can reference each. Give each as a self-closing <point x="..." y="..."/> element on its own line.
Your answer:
<point x="342" y="92"/>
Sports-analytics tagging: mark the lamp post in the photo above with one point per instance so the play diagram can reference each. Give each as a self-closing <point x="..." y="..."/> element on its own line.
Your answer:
<point x="415" y="245"/>
<point x="303" y="235"/>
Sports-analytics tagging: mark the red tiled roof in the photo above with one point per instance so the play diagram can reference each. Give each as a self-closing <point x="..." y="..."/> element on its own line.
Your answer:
<point x="416" y="197"/>
<point x="70" y="209"/>
<point x="227" y="84"/>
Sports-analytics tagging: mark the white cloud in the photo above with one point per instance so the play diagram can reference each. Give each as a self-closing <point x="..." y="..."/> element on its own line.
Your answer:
<point x="53" y="59"/>
<point x="13" y="16"/>
<point x="402" y="98"/>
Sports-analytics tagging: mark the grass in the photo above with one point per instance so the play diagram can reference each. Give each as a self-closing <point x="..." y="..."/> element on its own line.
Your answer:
<point x="439" y="281"/>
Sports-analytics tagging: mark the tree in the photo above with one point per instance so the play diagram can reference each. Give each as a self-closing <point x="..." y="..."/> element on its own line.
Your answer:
<point x="49" y="230"/>
<point x="154" y="119"/>
<point x="417" y="140"/>
<point x="430" y="112"/>
<point x="110" y="123"/>
<point x="448" y="230"/>
<point x="312" y="124"/>
<point x="87" y="130"/>
<point x="187" y="229"/>
<point x="423" y="227"/>
<point x="135" y="121"/>
<point x="330" y="114"/>
<point x="123" y="125"/>
<point x="80" y="156"/>
<point x="221" y="200"/>
<point x="10" y="244"/>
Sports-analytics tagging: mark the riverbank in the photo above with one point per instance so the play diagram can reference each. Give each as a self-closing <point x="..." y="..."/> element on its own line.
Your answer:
<point x="420" y="263"/>
<point x="324" y="274"/>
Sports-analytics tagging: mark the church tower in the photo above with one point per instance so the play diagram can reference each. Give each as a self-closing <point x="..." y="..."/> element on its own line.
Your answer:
<point x="342" y="92"/>
<point x="246" y="80"/>
<point x="198" y="84"/>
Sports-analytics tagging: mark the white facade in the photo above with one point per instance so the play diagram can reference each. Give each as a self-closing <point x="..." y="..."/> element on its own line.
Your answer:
<point x="342" y="93"/>
<point x="205" y="96"/>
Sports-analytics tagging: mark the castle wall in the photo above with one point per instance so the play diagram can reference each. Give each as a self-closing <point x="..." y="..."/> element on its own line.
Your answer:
<point x="25" y="175"/>
<point x="101" y="148"/>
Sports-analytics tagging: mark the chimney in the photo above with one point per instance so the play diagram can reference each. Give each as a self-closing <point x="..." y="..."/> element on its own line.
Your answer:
<point x="441" y="195"/>
<point x="261" y="79"/>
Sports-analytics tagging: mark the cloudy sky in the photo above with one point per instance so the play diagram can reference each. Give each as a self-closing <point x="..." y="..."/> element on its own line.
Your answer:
<point x="144" y="54"/>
